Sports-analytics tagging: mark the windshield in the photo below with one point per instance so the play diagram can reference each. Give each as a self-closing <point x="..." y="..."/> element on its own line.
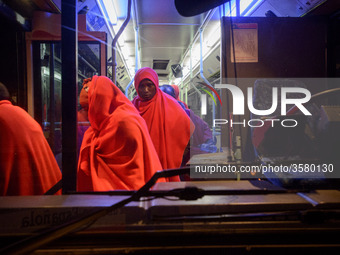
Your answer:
<point x="169" y="114"/>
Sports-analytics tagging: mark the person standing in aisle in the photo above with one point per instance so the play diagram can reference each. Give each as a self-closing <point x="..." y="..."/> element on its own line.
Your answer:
<point x="116" y="152"/>
<point x="169" y="126"/>
<point x="27" y="164"/>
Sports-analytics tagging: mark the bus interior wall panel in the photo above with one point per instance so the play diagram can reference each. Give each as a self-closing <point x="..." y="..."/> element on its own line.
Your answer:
<point x="280" y="41"/>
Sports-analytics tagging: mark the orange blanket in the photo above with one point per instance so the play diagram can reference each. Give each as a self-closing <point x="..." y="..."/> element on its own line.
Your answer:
<point x="27" y="164"/>
<point x="117" y="152"/>
<point x="169" y="126"/>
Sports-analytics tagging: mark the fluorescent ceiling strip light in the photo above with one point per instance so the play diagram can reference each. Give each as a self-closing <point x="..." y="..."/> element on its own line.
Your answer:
<point x="248" y="10"/>
<point x="100" y="5"/>
<point x="226" y="9"/>
<point x="244" y="4"/>
<point x="110" y="11"/>
<point x="214" y="37"/>
<point x="196" y="64"/>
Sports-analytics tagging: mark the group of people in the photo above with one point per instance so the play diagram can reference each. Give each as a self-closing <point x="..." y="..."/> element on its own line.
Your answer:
<point x="124" y="144"/>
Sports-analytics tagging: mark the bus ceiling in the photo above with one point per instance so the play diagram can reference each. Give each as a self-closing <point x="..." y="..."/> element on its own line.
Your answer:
<point x="162" y="33"/>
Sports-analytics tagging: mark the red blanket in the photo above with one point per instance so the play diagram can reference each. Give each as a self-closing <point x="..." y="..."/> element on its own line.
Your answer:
<point x="117" y="152"/>
<point x="27" y="164"/>
<point x="169" y="126"/>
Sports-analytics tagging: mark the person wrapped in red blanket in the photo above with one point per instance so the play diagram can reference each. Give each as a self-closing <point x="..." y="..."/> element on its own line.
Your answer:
<point x="117" y="152"/>
<point x="27" y="164"/>
<point x="169" y="126"/>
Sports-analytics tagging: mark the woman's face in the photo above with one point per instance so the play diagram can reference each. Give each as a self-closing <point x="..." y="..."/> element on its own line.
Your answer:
<point x="83" y="97"/>
<point x="146" y="89"/>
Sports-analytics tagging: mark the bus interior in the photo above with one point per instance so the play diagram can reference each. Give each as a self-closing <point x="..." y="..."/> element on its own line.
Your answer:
<point x="265" y="185"/>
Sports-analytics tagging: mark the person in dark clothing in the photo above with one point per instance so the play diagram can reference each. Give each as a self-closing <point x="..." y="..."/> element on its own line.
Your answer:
<point x="201" y="141"/>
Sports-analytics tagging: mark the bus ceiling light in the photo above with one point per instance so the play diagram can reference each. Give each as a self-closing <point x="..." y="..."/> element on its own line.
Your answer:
<point x="246" y="7"/>
<point x="227" y="12"/>
<point x="251" y="7"/>
<point x="196" y="54"/>
<point x="110" y="11"/>
<point x="215" y="36"/>
<point x="20" y="19"/>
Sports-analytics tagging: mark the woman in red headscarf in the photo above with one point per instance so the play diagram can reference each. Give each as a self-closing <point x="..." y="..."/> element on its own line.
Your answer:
<point x="169" y="126"/>
<point x="117" y="152"/>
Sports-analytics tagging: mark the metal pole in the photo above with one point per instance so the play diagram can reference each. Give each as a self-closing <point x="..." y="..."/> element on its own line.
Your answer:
<point x="69" y="53"/>
<point x="238" y="14"/>
<point x="52" y="103"/>
<point x="127" y="87"/>
<point x="114" y="42"/>
<point x="136" y="59"/>
<point x="201" y="71"/>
